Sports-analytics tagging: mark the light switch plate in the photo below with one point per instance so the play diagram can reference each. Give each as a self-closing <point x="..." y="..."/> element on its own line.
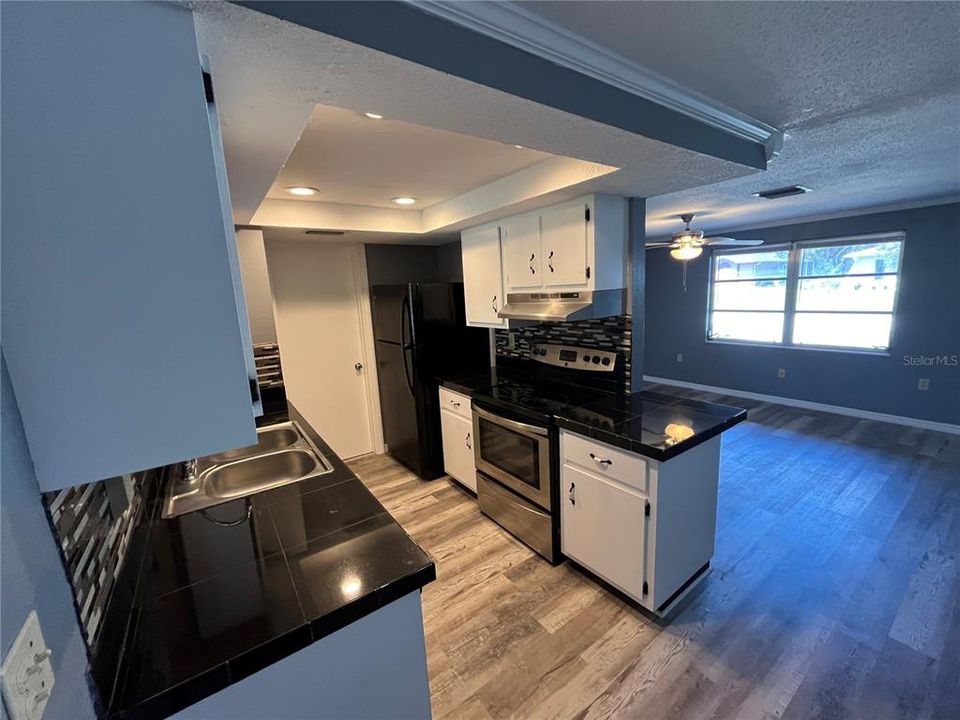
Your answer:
<point x="26" y="676"/>
<point x="781" y="373"/>
<point x="923" y="384"/>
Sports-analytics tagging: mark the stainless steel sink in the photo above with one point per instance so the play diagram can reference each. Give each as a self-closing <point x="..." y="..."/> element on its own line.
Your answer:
<point x="282" y="455"/>
<point x="255" y="474"/>
<point x="274" y="437"/>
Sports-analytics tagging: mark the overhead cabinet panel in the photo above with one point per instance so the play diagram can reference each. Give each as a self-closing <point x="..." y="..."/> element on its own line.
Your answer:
<point x="482" y="276"/>
<point x="522" y="261"/>
<point x="563" y="242"/>
<point x="122" y="327"/>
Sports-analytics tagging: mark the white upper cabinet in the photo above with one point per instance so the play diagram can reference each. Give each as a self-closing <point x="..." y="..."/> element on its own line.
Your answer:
<point x="563" y="242"/>
<point x="482" y="276"/>
<point x="522" y="262"/>
<point x="576" y="245"/>
<point x="123" y="324"/>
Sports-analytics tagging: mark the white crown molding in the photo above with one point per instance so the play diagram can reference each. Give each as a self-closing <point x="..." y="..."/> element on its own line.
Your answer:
<point x="808" y="405"/>
<point x="506" y="22"/>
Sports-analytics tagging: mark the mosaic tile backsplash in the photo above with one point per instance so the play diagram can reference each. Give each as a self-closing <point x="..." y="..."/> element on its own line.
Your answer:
<point x="93" y="524"/>
<point x="611" y="333"/>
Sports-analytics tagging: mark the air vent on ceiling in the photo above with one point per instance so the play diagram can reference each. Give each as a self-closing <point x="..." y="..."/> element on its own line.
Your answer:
<point x="782" y="192"/>
<point x="326" y="233"/>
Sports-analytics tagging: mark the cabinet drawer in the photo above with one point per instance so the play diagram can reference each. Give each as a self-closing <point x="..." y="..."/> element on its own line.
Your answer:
<point x="455" y="402"/>
<point x="604" y="460"/>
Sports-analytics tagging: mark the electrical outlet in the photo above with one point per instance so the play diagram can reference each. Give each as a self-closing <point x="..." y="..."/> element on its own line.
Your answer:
<point x="26" y="676"/>
<point x="781" y="373"/>
<point x="679" y="357"/>
<point x="511" y="339"/>
<point x="923" y="384"/>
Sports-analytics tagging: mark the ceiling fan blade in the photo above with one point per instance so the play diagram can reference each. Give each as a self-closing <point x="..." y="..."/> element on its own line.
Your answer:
<point x="731" y="241"/>
<point x="658" y="245"/>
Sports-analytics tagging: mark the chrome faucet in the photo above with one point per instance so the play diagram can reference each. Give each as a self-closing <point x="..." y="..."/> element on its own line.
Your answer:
<point x="190" y="472"/>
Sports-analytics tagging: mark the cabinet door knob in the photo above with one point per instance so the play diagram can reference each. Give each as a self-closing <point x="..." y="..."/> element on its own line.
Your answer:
<point x="599" y="460"/>
<point x="573" y="497"/>
<point x="358" y="367"/>
<point x="455" y="403"/>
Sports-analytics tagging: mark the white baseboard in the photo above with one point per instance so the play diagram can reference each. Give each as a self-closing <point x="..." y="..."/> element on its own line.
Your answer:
<point x="808" y="405"/>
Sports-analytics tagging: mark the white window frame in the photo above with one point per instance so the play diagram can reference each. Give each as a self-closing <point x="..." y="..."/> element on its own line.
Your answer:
<point x="792" y="291"/>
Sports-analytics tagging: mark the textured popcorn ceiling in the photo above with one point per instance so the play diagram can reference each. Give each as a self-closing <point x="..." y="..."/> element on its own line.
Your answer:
<point x="868" y="93"/>
<point x="269" y="75"/>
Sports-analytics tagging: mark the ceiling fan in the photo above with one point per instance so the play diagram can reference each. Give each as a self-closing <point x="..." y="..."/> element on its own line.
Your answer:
<point x="688" y="243"/>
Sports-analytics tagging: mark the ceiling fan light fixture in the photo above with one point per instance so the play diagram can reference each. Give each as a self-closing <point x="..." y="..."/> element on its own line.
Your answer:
<point x="686" y="252"/>
<point x="688" y="237"/>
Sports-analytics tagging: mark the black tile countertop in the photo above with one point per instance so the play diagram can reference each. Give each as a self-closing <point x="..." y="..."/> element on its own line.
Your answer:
<point x="215" y="604"/>
<point x="653" y="424"/>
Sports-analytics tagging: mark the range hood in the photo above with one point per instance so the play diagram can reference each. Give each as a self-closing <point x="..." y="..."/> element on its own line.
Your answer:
<point x="564" y="306"/>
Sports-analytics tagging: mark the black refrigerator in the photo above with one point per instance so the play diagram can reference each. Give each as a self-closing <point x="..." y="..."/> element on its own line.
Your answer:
<point x="420" y="332"/>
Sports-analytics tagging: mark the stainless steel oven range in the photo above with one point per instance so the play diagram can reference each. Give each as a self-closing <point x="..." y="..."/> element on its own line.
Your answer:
<point x="516" y="440"/>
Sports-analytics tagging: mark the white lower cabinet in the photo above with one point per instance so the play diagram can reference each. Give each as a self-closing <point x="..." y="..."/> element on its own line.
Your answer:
<point x="647" y="528"/>
<point x="458" y="443"/>
<point x="602" y="528"/>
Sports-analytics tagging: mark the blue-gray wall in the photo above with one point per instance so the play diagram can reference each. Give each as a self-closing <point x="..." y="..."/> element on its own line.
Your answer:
<point x="927" y="323"/>
<point x="32" y="574"/>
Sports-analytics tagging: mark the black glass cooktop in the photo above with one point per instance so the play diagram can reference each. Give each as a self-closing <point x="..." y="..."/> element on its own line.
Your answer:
<point x="539" y="398"/>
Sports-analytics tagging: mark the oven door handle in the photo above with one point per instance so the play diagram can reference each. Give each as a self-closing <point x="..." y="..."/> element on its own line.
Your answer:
<point x="511" y="424"/>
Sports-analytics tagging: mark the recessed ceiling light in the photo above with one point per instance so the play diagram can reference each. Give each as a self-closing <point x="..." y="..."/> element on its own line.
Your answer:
<point x="519" y="147"/>
<point x="374" y="116"/>
<point x="302" y="190"/>
<point x="404" y="200"/>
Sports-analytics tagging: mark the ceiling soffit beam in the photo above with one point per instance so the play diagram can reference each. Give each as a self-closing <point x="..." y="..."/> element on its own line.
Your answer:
<point x="473" y="207"/>
<point x="525" y="30"/>
<point x="418" y="34"/>
<point x="336" y="216"/>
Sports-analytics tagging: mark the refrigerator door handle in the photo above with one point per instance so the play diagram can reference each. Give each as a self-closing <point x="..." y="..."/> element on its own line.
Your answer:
<point x="405" y="345"/>
<point x="409" y="374"/>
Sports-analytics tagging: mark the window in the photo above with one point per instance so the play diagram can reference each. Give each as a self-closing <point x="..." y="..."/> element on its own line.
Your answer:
<point x="821" y="293"/>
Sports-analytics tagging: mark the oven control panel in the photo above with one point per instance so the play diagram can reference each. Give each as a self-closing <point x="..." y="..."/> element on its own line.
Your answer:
<point x="577" y="358"/>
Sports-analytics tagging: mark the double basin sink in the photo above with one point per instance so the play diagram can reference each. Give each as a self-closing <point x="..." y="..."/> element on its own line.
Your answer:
<point x="282" y="455"/>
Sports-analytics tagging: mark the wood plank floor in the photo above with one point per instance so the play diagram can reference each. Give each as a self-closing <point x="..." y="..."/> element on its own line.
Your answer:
<point x="835" y="591"/>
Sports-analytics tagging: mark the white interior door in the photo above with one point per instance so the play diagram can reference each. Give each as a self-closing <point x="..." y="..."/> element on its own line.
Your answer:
<point x="317" y="307"/>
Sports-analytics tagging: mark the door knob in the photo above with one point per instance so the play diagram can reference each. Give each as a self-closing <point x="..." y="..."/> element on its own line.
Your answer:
<point x="358" y="367"/>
